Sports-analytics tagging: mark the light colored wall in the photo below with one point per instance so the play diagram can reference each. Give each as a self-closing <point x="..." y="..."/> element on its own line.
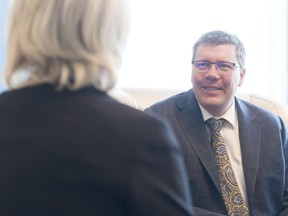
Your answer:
<point x="4" y="5"/>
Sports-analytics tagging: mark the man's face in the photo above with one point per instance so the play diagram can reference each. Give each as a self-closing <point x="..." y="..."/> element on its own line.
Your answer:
<point x="213" y="90"/>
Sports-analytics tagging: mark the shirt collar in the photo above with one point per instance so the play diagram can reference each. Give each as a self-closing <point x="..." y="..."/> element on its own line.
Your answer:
<point x="229" y="115"/>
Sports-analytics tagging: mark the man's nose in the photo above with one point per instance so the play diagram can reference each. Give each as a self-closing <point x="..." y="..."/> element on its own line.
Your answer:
<point x="213" y="71"/>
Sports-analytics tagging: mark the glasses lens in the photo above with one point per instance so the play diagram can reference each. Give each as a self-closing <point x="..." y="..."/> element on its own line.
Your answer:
<point x="225" y="66"/>
<point x="202" y="65"/>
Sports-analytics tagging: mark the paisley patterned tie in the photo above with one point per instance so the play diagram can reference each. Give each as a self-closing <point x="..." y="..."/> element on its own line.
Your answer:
<point x="231" y="194"/>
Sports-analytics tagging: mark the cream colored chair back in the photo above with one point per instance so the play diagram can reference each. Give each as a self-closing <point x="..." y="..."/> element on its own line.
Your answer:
<point x="141" y="98"/>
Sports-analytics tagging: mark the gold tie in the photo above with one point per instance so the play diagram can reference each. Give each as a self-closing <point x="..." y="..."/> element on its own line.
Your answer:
<point x="231" y="194"/>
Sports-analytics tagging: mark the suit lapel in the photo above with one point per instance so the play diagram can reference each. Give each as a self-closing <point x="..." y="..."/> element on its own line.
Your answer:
<point x="249" y="134"/>
<point x="192" y="123"/>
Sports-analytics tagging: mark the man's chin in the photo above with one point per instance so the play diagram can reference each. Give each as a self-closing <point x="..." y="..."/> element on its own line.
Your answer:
<point x="211" y="102"/>
<point x="213" y="107"/>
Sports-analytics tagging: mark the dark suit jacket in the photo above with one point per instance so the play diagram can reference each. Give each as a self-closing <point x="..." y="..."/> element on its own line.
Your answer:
<point x="82" y="153"/>
<point x="264" y="147"/>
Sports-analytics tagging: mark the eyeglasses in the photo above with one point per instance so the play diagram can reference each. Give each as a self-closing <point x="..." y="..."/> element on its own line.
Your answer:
<point x="223" y="68"/>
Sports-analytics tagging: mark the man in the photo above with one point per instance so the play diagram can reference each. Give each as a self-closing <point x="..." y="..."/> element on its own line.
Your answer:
<point x="252" y="142"/>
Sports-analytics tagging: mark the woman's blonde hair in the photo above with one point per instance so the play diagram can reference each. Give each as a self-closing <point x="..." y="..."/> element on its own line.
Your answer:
<point x="68" y="43"/>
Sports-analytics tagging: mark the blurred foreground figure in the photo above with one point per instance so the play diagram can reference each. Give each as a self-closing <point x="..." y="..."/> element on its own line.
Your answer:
<point x="66" y="147"/>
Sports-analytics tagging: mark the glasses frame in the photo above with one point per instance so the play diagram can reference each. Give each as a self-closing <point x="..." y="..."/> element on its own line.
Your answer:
<point x="222" y="72"/>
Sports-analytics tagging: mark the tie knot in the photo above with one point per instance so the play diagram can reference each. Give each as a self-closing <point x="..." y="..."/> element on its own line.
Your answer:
<point x="215" y="124"/>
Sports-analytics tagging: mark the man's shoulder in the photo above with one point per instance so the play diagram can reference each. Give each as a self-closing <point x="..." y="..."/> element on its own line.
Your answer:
<point x="248" y="106"/>
<point x="262" y="115"/>
<point x="171" y="102"/>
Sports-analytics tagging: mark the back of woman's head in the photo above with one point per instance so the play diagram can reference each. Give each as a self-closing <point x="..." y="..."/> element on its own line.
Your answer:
<point x="68" y="43"/>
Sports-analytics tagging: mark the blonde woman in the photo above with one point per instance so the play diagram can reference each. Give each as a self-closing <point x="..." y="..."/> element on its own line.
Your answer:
<point x="66" y="147"/>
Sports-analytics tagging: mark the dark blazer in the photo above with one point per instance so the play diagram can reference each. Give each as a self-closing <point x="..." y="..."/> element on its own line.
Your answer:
<point x="264" y="146"/>
<point x="82" y="153"/>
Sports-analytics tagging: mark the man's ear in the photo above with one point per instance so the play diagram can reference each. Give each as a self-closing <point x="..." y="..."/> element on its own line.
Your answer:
<point x="242" y="76"/>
